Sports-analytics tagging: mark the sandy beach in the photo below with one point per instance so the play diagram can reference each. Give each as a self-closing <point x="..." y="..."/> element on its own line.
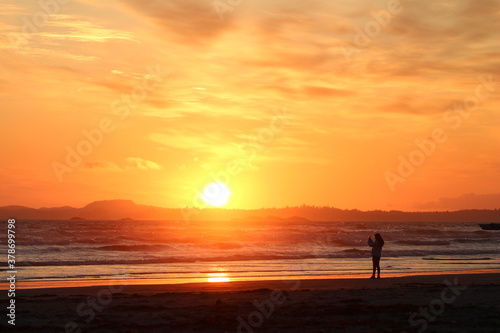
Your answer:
<point x="446" y="302"/>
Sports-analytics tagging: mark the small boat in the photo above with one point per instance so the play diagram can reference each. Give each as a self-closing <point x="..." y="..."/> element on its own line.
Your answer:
<point x="490" y="226"/>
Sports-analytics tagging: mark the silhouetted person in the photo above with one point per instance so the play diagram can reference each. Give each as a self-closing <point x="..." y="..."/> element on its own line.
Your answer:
<point x="376" y="253"/>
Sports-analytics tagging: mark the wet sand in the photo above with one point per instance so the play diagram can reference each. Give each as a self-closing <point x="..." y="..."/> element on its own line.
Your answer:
<point x="444" y="302"/>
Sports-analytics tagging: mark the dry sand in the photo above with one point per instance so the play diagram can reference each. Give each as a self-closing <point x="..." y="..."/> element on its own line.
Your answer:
<point x="431" y="303"/>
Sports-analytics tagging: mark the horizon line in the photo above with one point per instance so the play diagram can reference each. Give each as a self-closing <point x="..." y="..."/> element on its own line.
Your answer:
<point x="261" y="208"/>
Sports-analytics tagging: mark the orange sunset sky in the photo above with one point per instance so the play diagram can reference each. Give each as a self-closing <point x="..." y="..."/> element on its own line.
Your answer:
<point x="288" y="102"/>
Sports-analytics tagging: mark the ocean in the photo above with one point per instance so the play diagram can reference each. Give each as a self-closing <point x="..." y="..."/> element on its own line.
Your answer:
<point x="178" y="252"/>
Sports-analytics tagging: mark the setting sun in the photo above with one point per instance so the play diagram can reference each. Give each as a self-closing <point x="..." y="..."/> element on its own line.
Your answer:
<point x="216" y="194"/>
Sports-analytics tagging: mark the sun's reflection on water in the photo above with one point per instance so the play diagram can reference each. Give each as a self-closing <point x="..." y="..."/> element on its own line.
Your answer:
<point x="218" y="277"/>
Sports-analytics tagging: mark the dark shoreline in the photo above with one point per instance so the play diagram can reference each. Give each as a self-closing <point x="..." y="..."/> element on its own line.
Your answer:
<point x="471" y="303"/>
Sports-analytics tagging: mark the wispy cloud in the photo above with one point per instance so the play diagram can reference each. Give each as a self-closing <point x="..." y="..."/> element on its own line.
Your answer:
<point x="82" y="30"/>
<point x="130" y="164"/>
<point x="142" y="164"/>
<point x="199" y="25"/>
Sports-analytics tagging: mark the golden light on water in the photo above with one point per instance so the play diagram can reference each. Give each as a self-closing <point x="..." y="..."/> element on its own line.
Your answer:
<point x="218" y="277"/>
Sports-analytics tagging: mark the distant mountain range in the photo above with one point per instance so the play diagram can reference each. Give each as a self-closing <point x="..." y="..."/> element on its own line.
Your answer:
<point x="127" y="210"/>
